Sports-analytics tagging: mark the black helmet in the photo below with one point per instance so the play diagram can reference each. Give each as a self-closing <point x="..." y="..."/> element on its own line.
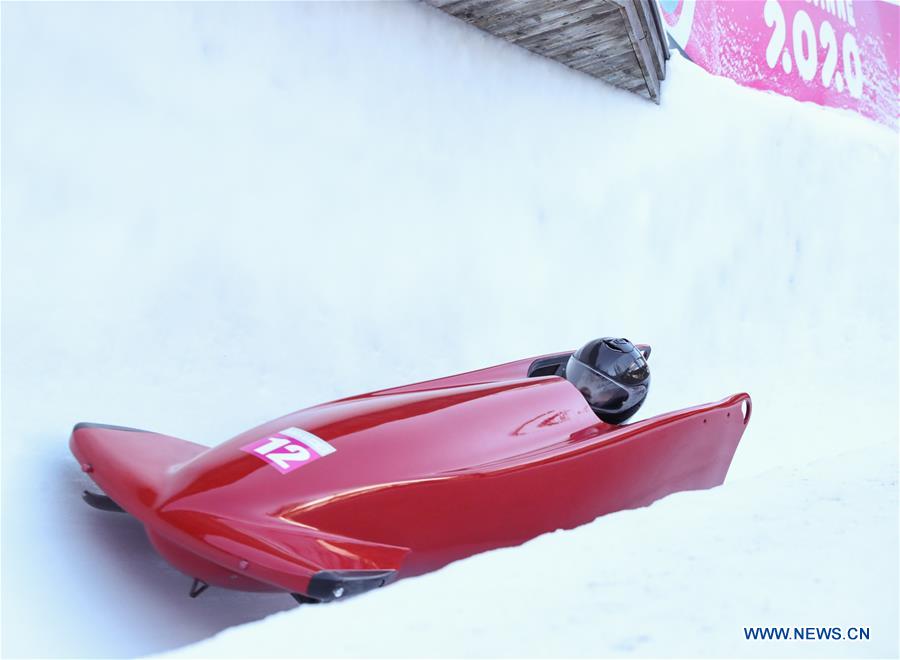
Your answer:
<point x="612" y="375"/>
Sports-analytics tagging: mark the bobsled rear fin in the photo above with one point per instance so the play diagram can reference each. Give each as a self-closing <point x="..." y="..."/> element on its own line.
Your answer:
<point x="689" y="449"/>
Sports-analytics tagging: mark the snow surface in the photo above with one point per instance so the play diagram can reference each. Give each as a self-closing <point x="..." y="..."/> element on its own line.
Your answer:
<point x="214" y="214"/>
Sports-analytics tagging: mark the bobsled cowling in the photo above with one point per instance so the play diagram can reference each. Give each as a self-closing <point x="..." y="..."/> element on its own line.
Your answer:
<point x="221" y="538"/>
<point x="405" y="480"/>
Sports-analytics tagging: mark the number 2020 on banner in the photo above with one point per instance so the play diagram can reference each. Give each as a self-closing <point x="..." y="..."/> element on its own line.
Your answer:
<point x="803" y="50"/>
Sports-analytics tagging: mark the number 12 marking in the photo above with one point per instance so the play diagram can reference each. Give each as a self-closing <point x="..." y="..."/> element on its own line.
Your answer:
<point x="289" y="449"/>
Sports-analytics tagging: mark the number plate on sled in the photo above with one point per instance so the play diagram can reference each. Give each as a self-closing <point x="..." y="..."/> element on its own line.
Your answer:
<point x="289" y="449"/>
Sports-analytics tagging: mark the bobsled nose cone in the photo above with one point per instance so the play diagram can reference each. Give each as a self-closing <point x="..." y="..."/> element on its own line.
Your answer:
<point x="130" y="465"/>
<point x="91" y="443"/>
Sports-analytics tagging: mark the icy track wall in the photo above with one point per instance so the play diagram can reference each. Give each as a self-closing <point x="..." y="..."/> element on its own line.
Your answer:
<point x="216" y="214"/>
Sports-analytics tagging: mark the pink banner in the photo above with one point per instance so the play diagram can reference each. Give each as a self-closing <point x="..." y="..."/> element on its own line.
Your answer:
<point x="837" y="53"/>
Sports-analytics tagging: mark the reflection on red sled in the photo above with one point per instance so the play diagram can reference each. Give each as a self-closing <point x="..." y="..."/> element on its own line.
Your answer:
<point x="347" y="496"/>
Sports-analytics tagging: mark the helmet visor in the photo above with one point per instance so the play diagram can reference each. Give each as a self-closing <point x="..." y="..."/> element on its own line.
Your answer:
<point x="600" y="392"/>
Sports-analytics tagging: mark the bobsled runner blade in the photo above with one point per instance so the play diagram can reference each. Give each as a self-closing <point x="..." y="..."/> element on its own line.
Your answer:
<point x="101" y="502"/>
<point x="197" y="588"/>
<point x="305" y="600"/>
<point x="326" y="586"/>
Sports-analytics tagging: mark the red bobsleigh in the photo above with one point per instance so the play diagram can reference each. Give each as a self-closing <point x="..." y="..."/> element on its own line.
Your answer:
<point x="347" y="496"/>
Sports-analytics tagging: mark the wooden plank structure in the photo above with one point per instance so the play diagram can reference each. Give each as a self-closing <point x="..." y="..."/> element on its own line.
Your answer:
<point x="622" y="42"/>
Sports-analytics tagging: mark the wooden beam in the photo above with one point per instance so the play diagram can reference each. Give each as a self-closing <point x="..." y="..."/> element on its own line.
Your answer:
<point x="619" y="41"/>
